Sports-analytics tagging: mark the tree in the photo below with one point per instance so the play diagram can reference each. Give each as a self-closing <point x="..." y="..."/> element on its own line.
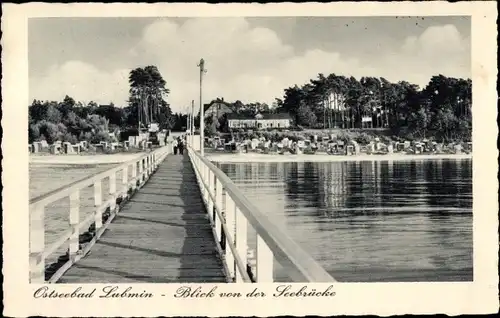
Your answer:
<point x="305" y="116"/>
<point x="418" y="123"/>
<point x="66" y="105"/>
<point x="442" y="108"/>
<point x="210" y="126"/>
<point x="147" y="93"/>
<point x="223" y="125"/>
<point x="53" y="114"/>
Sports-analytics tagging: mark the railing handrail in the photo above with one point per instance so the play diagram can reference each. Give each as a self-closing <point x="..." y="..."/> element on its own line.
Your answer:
<point x="67" y="189"/>
<point x="147" y="165"/>
<point x="282" y="246"/>
<point x="227" y="232"/>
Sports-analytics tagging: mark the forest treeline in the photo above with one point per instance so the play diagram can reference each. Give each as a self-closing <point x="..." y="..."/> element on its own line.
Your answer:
<point x="441" y="110"/>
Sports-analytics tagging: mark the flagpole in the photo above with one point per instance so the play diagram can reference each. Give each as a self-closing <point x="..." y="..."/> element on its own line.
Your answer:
<point x="188" y="121"/>
<point x="192" y="118"/>
<point x="202" y="111"/>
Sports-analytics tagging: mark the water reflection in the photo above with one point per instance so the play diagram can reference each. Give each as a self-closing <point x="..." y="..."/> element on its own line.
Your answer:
<point x="371" y="221"/>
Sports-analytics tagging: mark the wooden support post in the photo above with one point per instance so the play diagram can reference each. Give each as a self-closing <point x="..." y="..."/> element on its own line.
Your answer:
<point x="205" y="180"/>
<point x="251" y="261"/>
<point x="265" y="261"/>
<point x="150" y="165"/>
<point x="125" y="182"/>
<point x="97" y="205"/>
<point x="218" y="202"/>
<point x="134" y="175"/>
<point x="112" y="191"/>
<point x="141" y="169"/>
<point x="230" y="209"/>
<point x="241" y="240"/>
<point x="210" y="193"/>
<point x="74" y="220"/>
<point x="37" y="245"/>
<point x="200" y="173"/>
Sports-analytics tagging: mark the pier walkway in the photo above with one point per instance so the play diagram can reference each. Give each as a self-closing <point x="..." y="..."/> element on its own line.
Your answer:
<point x="162" y="235"/>
<point x="170" y="219"/>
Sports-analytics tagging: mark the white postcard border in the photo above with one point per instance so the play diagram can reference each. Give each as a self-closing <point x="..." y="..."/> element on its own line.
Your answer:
<point x="481" y="296"/>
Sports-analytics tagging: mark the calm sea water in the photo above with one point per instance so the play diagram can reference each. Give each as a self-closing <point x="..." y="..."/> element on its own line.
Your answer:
<point x="370" y="221"/>
<point x="44" y="178"/>
<point x="362" y="221"/>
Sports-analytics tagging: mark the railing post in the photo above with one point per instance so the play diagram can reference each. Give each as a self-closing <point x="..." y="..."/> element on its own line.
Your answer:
<point x="229" y="219"/>
<point x="218" y="204"/>
<point x="74" y="220"/>
<point x="252" y="263"/>
<point x="150" y="165"/>
<point x="264" y="262"/>
<point x="37" y="245"/>
<point x="199" y="169"/>
<point x="202" y="179"/>
<point x="112" y="191"/>
<point x="125" y="181"/>
<point x="205" y="180"/>
<point x="134" y="175"/>
<point x="241" y="240"/>
<point x="97" y="205"/>
<point x="141" y="169"/>
<point x="210" y="193"/>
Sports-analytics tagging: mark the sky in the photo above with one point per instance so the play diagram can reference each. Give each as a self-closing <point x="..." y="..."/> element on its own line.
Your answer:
<point x="252" y="59"/>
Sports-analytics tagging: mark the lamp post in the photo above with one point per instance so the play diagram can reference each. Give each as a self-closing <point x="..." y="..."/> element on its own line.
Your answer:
<point x="192" y="118"/>
<point x="188" y="121"/>
<point x="201" y="65"/>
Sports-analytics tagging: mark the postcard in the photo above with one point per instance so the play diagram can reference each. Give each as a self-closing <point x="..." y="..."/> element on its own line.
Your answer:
<point x="249" y="159"/>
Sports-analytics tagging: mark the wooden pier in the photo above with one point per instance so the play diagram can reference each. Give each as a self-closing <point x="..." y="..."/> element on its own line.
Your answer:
<point x="162" y="235"/>
<point x="170" y="219"/>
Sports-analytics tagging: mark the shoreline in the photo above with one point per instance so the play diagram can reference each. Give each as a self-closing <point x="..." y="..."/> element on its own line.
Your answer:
<point x="83" y="159"/>
<point x="241" y="158"/>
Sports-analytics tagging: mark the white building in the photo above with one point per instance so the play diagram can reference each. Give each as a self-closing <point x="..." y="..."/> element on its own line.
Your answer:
<point x="260" y="121"/>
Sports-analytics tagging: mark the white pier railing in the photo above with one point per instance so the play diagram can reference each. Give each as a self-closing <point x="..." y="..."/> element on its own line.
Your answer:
<point x="142" y="168"/>
<point x="231" y="215"/>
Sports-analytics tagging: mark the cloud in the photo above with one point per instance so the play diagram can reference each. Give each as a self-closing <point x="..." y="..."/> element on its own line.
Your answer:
<point x="438" y="50"/>
<point x="82" y="81"/>
<point x="249" y="63"/>
<point x="243" y="62"/>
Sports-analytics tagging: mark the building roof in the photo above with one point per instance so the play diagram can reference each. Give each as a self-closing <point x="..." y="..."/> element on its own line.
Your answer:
<point x="217" y="101"/>
<point x="263" y="116"/>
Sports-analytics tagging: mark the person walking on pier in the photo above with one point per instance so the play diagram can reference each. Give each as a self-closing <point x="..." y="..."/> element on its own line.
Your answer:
<point x="175" y="146"/>
<point x="181" y="146"/>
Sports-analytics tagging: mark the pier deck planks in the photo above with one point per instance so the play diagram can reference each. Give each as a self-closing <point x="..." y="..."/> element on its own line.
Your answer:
<point x="162" y="235"/>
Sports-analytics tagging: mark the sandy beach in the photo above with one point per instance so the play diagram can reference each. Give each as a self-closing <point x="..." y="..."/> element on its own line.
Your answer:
<point x="84" y="159"/>
<point x="252" y="157"/>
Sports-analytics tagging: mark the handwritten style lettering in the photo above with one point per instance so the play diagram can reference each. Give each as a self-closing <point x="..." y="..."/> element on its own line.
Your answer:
<point x="46" y="292"/>
<point x="304" y="291"/>
<point x="188" y="292"/>
<point x="116" y="292"/>
<point x="256" y="293"/>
